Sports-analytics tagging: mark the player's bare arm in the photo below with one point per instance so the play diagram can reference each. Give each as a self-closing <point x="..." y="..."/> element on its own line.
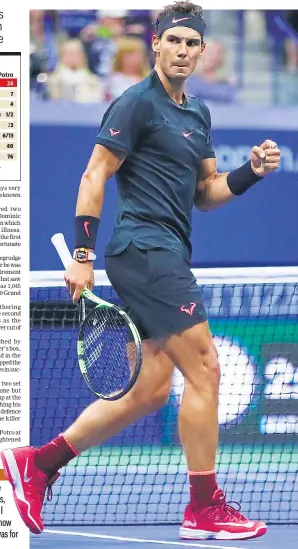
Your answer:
<point x="102" y="165"/>
<point x="213" y="189"/>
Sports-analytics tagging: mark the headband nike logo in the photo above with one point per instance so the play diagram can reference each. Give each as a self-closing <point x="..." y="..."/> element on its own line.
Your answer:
<point x="174" y="20"/>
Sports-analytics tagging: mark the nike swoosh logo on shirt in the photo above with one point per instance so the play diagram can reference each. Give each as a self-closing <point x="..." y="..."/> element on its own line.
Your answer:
<point x="174" y="20"/>
<point x="187" y="134"/>
<point x="26" y="478"/>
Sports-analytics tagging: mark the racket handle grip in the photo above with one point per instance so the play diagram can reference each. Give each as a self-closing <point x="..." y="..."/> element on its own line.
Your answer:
<point x="62" y="249"/>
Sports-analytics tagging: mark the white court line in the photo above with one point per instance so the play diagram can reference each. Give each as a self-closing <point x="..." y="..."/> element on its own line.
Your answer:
<point x="138" y="540"/>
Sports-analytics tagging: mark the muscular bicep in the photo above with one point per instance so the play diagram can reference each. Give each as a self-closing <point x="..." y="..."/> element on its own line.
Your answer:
<point x="208" y="171"/>
<point x="212" y="188"/>
<point x="101" y="166"/>
<point x="103" y="162"/>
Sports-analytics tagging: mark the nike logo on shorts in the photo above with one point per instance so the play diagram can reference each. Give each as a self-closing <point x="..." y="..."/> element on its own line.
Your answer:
<point x="187" y="134"/>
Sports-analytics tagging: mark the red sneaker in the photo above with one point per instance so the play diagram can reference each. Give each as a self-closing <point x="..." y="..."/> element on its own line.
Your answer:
<point x="219" y="521"/>
<point x="29" y="484"/>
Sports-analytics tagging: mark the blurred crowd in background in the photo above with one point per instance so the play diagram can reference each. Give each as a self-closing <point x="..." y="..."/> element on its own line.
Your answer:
<point x="91" y="56"/>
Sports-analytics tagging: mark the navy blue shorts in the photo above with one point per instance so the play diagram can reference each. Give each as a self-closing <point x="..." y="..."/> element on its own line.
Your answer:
<point x="158" y="289"/>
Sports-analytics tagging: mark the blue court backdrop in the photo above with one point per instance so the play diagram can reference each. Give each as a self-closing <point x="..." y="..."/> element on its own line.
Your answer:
<point x="259" y="228"/>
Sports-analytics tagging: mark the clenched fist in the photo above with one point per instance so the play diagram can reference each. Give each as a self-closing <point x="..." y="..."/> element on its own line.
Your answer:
<point x="265" y="158"/>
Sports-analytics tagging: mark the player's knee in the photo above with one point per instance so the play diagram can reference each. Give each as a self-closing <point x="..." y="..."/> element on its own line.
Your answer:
<point x="209" y="369"/>
<point x="206" y="372"/>
<point x="212" y="364"/>
<point x="214" y="379"/>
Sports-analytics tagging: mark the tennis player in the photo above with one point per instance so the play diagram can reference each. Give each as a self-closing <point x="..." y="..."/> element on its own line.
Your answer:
<point x="157" y="142"/>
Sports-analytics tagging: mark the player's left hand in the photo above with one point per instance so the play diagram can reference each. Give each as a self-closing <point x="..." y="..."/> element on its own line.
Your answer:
<point x="265" y="158"/>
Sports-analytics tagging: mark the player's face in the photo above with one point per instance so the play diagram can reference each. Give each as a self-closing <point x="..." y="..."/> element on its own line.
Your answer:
<point x="178" y="51"/>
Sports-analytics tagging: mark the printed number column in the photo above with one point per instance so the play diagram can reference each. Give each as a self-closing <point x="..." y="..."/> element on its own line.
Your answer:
<point x="10" y="117"/>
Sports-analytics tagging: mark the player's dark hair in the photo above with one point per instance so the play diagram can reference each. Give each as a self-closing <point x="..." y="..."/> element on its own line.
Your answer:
<point x="180" y="7"/>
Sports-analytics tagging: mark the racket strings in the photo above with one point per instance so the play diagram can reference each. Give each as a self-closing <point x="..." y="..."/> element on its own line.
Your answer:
<point x="110" y="352"/>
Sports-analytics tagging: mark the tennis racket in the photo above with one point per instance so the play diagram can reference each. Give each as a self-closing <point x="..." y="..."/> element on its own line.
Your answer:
<point x="109" y="345"/>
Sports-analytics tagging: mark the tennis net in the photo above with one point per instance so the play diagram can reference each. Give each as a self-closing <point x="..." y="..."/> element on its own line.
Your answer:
<point x="140" y="476"/>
